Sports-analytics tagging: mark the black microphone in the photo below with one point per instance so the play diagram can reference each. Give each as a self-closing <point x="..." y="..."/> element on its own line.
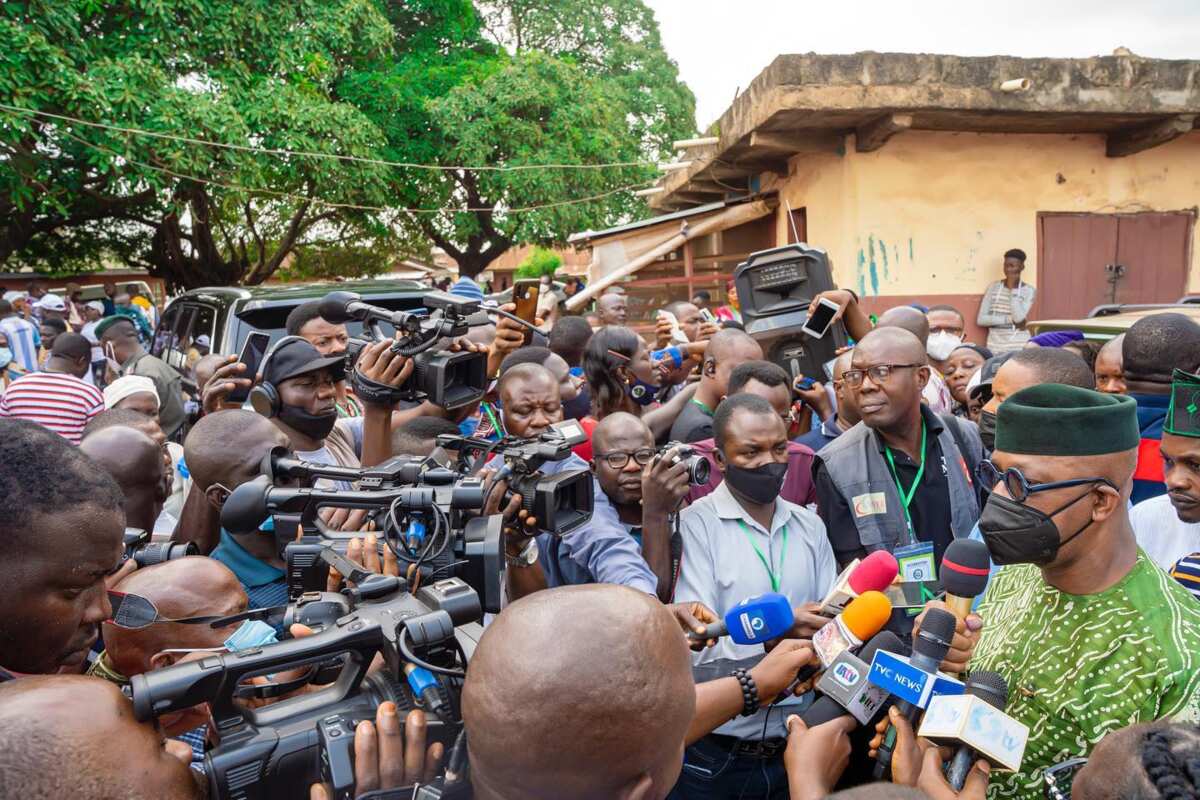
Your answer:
<point x="992" y="689"/>
<point x="341" y="307"/>
<point x="929" y="649"/>
<point x="964" y="573"/>
<point x="845" y="688"/>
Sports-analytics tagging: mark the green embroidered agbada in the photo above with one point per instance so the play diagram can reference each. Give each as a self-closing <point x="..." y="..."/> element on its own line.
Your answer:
<point x="1079" y="667"/>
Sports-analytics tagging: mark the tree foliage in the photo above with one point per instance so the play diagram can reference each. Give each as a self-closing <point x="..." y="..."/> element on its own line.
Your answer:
<point x="539" y="262"/>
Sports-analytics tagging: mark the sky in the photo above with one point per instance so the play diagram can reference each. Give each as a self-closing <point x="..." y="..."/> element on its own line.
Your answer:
<point x="721" y="45"/>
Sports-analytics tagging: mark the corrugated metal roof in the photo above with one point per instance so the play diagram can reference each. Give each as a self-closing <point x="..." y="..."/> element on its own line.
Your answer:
<point x="587" y="236"/>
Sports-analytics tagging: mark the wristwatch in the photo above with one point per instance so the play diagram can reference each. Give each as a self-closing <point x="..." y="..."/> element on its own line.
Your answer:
<point x="527" y="557"/>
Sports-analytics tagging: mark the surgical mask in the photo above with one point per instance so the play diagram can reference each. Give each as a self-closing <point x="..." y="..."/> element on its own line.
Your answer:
<point x="6" y="356"/>
<point x="941" y="344"/>
<point x="1016" y="533"/>
<point x="760" y="484"/>
<point x="314" y="426"/>
<point x="642" y="392"/>
<point x="987" y="429"/>
<point x="251" y="633"/>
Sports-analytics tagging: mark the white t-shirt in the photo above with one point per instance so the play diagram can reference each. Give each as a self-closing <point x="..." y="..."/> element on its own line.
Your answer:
<point x="1161" y="533"/>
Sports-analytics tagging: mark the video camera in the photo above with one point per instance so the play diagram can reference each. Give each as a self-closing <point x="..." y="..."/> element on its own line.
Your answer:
<point x="447" y="379"/>
<point x="147" y="553"/>
<point x="281" y="749"/>
<point x="562" y="501"/>
<point x="774" y="289"/>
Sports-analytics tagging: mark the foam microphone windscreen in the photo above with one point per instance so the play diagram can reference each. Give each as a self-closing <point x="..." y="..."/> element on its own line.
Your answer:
<point x="866" y="614"/>
<point x="874" y="573"/>
<point x="965" y="568"/>
<point x="936" y="635"/>
<point x="989" y="687"/>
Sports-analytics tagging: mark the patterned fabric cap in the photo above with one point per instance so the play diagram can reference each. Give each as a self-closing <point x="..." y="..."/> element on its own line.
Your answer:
<point x="1183" y="415"/>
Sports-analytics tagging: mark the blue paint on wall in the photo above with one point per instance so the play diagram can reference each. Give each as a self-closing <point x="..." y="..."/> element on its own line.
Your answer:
<point x="873" y="267"/>
<point x="883" y="251"/>
<point x="860" y="271"/>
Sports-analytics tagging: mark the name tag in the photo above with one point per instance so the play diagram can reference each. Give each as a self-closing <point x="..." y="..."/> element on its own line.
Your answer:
<point x="871" y="503"/>
<point x="916" y="562"/>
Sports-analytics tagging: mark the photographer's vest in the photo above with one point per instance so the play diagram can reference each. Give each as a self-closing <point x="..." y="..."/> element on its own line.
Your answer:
<point x="857" y="468"/>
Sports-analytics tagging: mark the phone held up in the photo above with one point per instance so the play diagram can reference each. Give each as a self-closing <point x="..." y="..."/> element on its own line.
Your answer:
<point x="525" y="296"/>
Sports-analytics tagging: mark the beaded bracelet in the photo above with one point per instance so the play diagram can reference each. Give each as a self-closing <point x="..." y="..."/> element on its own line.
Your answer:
<point x="749" y="692"/>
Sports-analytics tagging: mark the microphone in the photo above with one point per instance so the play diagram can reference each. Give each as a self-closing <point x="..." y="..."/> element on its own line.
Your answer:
<point x="912" y="679"/>
<point x="862" y="619"/>
<point x="341" y="307"/>
<point x="753" y="621"/>
<point x="965" y="568"/>
<point x="977" y="723"/>
<point x="873" y="573"/>
<point x="846" y="687"/>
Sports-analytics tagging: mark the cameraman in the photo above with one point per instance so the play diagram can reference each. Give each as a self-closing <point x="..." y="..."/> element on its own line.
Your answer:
<point x="61" y="536"/>
<point x="644" y="488"/>
<point x="601" y="551"/>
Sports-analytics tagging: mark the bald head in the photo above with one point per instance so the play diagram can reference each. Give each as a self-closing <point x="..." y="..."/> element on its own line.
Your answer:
<point x="135" y="462"/>
<point x="71" y="736"/>
<point x="228" y="448"/>
<point x="612" y="309"/>
<point x="726" y="349"/>
<point x="891" y="342"/>
<point x="194" y="586"/>
<point x="525" y="373"/>
<point x="614" y="701"/>
<point x="908" y="318"/>
<point x="620" y="425"/>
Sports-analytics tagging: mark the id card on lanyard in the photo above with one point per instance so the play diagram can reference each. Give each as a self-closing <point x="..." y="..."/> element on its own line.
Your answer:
<point x="916" y="565"/>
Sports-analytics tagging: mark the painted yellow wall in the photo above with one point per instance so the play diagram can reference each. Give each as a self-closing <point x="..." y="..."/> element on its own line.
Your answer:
<point x="932" y="213"/>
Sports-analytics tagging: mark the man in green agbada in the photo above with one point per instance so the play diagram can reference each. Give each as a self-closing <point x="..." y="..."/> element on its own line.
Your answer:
<point x="1090" y="635"/>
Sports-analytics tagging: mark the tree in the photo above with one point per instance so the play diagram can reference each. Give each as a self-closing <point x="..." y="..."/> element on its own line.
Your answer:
<point x="539" y="262"/>
<point x="524" y="83"/>
<point x="248" y="73"/>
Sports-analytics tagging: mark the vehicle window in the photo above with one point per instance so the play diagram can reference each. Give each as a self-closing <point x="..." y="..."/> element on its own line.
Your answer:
<point x="164" y="334"/>
<point x="177" y="346"/>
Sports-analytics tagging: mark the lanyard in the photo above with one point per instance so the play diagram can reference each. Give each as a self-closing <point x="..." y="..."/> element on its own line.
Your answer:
<point x="907" y="494"/>
<point x="775" y="579"/>
<point x="703" y="407"/>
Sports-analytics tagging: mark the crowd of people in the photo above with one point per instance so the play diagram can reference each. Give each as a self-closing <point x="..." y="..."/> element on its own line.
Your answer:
<point x="1077" y="466"/>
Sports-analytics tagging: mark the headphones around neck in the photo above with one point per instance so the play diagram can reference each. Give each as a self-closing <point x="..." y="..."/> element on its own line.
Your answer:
<point x="264" y="397"/>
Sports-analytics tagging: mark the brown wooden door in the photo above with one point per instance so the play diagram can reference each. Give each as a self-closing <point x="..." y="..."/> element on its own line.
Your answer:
<point x="1076" y="251"/>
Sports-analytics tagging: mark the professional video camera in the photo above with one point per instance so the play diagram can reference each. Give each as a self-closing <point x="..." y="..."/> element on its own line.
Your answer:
<point x="146" y="553"/>
<point x="281" y="749"/>
<point x="697" y="465"/>
<point x="561" y="501"/>
<point x="775" y="288"/>
<point x="448" y="379"/>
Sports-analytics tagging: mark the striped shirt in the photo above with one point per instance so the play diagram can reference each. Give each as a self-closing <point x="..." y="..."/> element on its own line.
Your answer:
<point x="23" y="340"/>
<point x="1187" y="572"/>
<point x="55" y="400"/>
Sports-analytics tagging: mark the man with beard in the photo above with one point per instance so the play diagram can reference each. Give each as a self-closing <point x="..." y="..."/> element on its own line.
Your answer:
<point x="1167" y="527"/>
<point x="1089" y="633"/>
<point x="330" y="339"/>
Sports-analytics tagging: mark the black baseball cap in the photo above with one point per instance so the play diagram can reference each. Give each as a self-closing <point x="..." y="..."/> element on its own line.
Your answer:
<point x="987" y="374"/>
<point x="298" y="357"/>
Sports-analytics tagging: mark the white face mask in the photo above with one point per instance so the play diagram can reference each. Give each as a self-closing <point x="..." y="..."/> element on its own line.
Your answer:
<point x="941" y="345"/>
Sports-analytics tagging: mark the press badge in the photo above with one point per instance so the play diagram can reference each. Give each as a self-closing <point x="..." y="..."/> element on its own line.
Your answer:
<point x="916" y="564"/>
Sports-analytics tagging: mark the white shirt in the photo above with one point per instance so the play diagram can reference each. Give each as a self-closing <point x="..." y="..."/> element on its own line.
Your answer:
<point x="720" y="568"/>
<point x="1161" y="533"/>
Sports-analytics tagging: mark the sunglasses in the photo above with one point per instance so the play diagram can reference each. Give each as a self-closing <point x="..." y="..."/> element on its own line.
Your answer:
<point x="1058" y="778"/>
<point x="1018" y="486"/>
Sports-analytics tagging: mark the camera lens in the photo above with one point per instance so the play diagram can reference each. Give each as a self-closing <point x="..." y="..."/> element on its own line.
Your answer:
<point x="158" y="552"/>
<point x="699" y="470"/>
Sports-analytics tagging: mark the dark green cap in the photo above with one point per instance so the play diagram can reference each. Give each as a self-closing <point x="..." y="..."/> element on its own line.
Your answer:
<point x="108" y="322"/>
<point x="1183" y="416"/>
<point x="1056" y="420"/>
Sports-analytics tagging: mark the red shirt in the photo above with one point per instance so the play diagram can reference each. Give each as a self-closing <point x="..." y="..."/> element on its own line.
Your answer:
<point x="54" y="400"/>
<point x="584" y="450"/>
<point x="798" y="484"/>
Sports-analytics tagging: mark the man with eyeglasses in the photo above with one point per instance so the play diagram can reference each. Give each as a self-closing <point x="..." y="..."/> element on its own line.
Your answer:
<point x="1091" y="636"/>
<point x="644" y="489"/>
<point x="903" y="480"/>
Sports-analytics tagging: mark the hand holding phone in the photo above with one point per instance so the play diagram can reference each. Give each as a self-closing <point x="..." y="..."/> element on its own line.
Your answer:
<point x="525" y="296"/>
<point x="252" y="355"/>
<point x="821" y="318"/>
<point x="677" y="334"/>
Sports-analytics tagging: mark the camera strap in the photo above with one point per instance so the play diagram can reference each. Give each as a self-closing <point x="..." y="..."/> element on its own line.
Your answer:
<point x="372" y="391"/>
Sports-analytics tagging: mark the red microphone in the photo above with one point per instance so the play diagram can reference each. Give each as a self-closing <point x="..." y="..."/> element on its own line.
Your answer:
<point x="871" y="574"/>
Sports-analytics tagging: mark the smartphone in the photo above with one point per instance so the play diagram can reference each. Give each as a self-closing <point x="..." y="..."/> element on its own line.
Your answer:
<point x="253" y="351"/>
<point x="828" y="367"/>
<point x="677" y="334"/>
<point x="525" y="295"/>
<point x="817" y="324"/>
<point x="707" y="315"/>
<point x="804" y="384"/>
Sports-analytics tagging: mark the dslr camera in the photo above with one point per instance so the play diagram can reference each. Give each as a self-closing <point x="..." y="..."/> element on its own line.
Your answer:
<point x="447" y="379"/>
<point x="281" y="749"/>
<point x="698" y="468"/>
<point x="147" y="553"/>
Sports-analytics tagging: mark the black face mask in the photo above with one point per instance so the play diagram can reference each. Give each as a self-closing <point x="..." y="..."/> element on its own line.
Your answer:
<point x="1019" y="534"/>
<point x="758" y="485"/>
<point x="987" y="429"/>
<point x="314" y="426"/>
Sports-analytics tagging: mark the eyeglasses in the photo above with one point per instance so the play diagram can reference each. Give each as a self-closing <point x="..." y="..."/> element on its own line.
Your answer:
<point x="879" y="373"/>
<point x="1058" y="778"/>
<point x="1018" y="486"/>
<point x="617" y="459"/>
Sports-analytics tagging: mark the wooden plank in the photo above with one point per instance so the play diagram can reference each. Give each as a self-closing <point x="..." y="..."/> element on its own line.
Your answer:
<point x="874" y="134"/>
<point x="1127" y="141"/>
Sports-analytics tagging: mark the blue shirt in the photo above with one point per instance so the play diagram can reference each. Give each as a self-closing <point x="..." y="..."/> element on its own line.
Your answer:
<point x="265" y="586"/>
<point x="23" y="340"/>
<point x="1148" y="477"/>
<point x="820" y="436"/>
<point x="599" y="551"/>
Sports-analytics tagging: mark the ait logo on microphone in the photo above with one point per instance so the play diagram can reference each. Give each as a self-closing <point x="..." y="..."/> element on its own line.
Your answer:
<point x="753" y="625"/>
<point x="846" y="674"/>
